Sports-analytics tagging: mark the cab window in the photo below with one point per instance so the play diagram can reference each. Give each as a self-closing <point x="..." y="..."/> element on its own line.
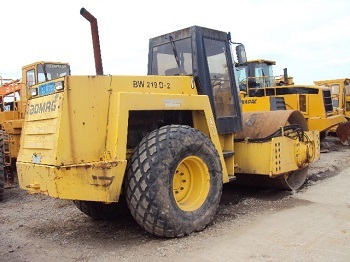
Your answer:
<point x="30" y="77"/>
<point x="335" y="89"/>
<point x="219" y="77"/>
<point x="264" y="75"/>
<point x="347" y="90"/>
<point x="242" y="77"/>
<point x="52" y="71"/>
<point x="173" y="58"/>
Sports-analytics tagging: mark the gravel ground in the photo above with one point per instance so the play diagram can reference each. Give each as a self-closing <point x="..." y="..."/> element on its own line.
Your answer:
<point x="252" y="224"/>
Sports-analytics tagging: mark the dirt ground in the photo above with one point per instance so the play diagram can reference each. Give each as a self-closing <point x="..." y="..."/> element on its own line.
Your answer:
<point x="252" y="224"/>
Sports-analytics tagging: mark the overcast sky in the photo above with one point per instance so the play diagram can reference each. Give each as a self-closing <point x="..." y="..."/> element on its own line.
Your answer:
<point x="310" y="38"/>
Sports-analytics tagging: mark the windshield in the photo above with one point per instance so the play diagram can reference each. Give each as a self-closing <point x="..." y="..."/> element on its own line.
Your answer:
<point x="52" y="71"/>
<point x="173" y="58"/>
<point x="264" y="75"/>
<point x="242" y="77"/>
<point x="263" y="70"/>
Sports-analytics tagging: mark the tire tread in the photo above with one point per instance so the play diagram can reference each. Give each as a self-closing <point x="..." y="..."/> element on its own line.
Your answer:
<point x="144" y="185"/>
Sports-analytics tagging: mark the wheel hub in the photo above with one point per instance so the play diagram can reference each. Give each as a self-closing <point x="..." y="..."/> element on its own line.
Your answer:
<point x="191" y="183"/>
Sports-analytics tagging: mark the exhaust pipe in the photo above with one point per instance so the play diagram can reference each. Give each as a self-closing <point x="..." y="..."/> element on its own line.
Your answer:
<point x="95" y="40"/>
<point x="285" y="76"/>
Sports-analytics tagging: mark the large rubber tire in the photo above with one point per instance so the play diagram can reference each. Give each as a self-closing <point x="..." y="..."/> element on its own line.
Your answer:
<point x="2" y="173"/>
<point x="174" y="181"/>
<point x="102" y="211"/>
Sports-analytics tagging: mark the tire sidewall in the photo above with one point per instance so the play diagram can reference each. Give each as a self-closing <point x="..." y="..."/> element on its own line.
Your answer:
<point x="188" y="142"/>
<point x="214" y="194"/>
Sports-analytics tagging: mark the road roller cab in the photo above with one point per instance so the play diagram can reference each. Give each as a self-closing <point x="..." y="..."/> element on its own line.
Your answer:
<point x="163" y="143"/>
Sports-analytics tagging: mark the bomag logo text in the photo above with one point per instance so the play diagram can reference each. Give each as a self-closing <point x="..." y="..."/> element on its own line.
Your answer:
<point x="249" y="101"/>
<point x="43" y="107"/>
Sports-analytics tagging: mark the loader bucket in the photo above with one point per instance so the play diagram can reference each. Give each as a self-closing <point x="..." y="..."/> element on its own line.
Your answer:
<point x="343" y="132"/>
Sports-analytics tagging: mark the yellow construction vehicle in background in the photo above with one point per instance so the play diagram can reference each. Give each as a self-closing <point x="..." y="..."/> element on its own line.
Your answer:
<point x="259" y="73"/>
<point x="340" y="93"/>
<point x="261" y="92"/>
<point x="165" y="142"/>
<point x="13" y="102"/>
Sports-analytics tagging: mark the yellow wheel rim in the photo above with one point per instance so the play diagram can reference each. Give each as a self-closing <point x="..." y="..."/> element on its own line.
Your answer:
<point x="191" y="183"/>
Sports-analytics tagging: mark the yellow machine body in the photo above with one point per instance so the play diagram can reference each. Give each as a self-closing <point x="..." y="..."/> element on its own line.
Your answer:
<point x="276" y="157"/>
<point x="74" y="144"/>
<point x="280" y="154"/>
<point x="75" y="148"/>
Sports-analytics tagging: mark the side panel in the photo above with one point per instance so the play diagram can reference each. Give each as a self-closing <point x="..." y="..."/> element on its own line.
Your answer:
<point x="83" y="127"/>
<point x="269" y="158"/>
<point x="253" y="104"/>
<point x="279" y="156"/>
<point x="93" y="182"/>
<point x="40" y="130"/>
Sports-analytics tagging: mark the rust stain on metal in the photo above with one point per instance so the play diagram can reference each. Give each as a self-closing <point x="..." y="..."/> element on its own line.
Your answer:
<point x="94" y="165"/>
<point x="106" y="181"/>
<point x="262" y="124"/>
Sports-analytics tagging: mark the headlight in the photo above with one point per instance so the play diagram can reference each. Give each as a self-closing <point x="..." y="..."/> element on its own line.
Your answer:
<point x="59" y="85"/>
<point x="34" y="91"/>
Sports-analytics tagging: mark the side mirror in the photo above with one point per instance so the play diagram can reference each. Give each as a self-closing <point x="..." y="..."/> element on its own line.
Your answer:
<point x="241" y="54"/>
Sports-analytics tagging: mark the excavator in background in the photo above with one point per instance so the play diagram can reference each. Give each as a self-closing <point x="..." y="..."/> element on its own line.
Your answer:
<point x="13" y="102"/>
<point x="340" y="94"/>
<point x="165" y="142"/>
<point x="261" y="91"/>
